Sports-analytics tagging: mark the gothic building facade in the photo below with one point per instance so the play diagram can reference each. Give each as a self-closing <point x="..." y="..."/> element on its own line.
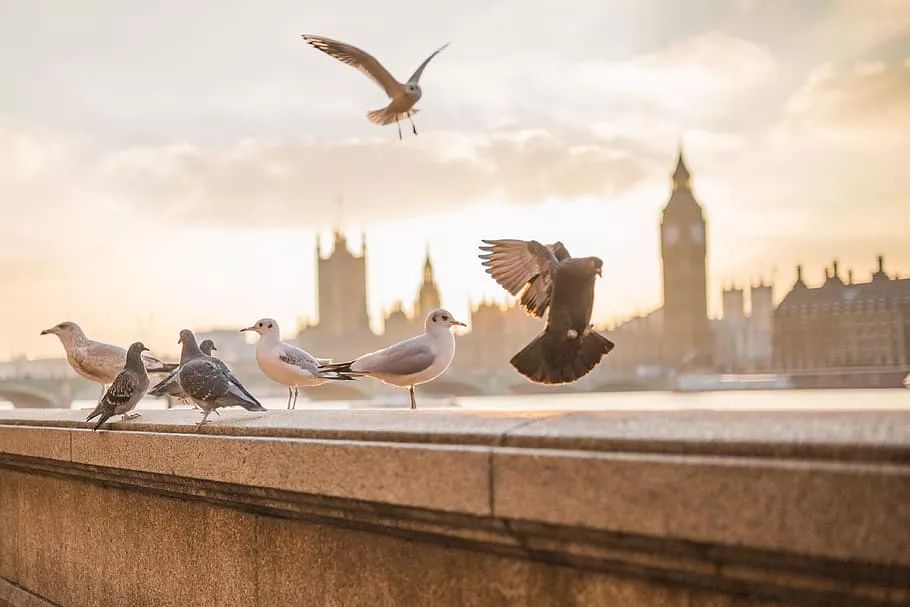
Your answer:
<point x="342" y="289"/>
<point x="840" y="325"/>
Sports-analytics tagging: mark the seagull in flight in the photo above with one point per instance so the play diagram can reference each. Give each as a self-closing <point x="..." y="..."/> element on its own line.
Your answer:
<point x="410" y="362"/>
<point x="403" y="96"/>
<point x="551" y="282"/>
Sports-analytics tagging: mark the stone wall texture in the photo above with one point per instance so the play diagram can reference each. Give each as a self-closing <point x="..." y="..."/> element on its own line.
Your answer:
<point x="447" y="509"/>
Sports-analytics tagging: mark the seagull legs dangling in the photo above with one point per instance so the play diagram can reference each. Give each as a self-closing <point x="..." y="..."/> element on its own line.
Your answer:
<point x="290" y="392"/>
<point x="296" y="394"/>
<point x="398" y="124"/>
<point x="413" y="126"/>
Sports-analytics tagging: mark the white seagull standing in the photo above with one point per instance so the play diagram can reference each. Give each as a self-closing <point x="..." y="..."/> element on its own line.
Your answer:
<point x="411" y="362"/>
<point x="287" y="364"/>
<point x="403" y="95"/>
<point x="97" y="361"/>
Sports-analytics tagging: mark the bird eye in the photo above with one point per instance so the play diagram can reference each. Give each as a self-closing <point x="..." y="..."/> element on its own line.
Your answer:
<point x="259" y="325"/>
<point x="445" y="318"/>
<point x="270" y="325"/>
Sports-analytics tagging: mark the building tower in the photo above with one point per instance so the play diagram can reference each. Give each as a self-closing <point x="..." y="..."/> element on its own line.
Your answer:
<point x="342" y="279"/>
<point x="687" y="341"/>
<point x="428" y="296"/>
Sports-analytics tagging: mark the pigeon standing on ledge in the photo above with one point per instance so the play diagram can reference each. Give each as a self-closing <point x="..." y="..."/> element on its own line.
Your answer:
<point x="206" y="381"/>
<point x="286" y="364"/>
<point x="403" y="96"/>
<point x="97" y="361"/>
<point x="411" y="362"/>
<point x="127" y="389"/>
<point x="547" y="277"/>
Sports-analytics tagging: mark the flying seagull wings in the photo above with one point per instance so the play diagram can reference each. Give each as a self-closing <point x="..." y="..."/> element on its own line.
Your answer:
<point x="359" y="59"/>
<point x="524" y="267"/>
<point x="415" y="77"/>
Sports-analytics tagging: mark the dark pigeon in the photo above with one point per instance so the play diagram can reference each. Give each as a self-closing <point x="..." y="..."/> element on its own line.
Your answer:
<point x="208" y="382"/>
<point x="551" y="283"/>
<point x="127" y="389"/>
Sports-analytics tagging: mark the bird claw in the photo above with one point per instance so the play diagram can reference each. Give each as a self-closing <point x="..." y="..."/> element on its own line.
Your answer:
<point x="129" y="416"/>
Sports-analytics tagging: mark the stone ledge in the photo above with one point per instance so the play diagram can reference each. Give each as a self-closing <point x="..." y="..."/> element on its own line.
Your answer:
<point x="787" y="503"/>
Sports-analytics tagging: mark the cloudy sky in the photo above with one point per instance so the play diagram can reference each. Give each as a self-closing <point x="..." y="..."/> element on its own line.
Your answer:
<point x="169" y="164"/>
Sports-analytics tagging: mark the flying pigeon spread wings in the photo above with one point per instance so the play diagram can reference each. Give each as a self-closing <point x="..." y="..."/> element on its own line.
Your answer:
<point x="525" y="267"/>
<point x="359" y="59"/>
<point x="415" y="77"/>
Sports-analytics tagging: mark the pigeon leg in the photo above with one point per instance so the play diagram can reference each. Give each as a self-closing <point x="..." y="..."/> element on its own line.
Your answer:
<point x="413" y="400"/>
<point x="129" y="416"/>
<point x="204" y="418"/>
<point x="290" y="393"/>
<point x="296" y="393"/>
<point x="399" y="129"/>
<point x="413" y="126"/>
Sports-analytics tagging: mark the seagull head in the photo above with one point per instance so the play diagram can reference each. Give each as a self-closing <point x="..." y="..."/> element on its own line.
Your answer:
<point x="441" y="320"/>
<point x="62" y="330"/>
<point x="263" y="326"/>
<point x="412" y="89"/>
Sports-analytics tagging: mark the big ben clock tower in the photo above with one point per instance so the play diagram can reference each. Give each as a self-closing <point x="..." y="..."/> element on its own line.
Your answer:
<point x="686" y="336"/>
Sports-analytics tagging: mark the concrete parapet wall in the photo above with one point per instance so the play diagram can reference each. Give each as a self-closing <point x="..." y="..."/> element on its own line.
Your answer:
<point x="456" y="508"/>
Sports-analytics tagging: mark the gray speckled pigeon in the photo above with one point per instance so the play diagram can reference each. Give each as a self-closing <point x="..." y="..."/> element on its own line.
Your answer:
<point x="127" y="389"/>
<point x="208" y="382"/>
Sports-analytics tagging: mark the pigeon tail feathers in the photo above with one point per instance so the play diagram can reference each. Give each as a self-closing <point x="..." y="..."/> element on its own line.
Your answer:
<point x="548" y="360"/>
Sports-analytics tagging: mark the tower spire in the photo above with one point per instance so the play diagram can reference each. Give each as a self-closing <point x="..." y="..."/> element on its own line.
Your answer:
<point x="681" y="174"/>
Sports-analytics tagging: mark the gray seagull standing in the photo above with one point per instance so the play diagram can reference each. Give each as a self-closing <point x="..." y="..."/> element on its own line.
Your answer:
<point x="206" y="381"/>
<point x="403" y="96"/>
<point x="127" y="389"/>
<point x="548" y="277"/>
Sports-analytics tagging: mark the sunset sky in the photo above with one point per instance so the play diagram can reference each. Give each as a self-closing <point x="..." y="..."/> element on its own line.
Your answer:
<point x="168" y="165"/>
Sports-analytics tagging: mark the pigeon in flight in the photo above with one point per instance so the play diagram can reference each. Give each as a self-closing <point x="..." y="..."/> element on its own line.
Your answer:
<point x="547" y="277"/>
<point x="402" y="96"/>
<point x="411" y="362"/>
<point x="287" y="364"/>
<point x="206" y="381"/>
<point x="127" y="389"/>
<point x="96" y="361"/>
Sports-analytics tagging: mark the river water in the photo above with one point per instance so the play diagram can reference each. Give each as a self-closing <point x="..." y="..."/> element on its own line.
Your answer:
<point x="895" y="399"/>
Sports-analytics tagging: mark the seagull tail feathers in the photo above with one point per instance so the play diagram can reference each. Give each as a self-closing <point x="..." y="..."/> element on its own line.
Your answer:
<point x="338" y="371"/>
<point x="560" y="360"/>
<point x="386" y="116"/>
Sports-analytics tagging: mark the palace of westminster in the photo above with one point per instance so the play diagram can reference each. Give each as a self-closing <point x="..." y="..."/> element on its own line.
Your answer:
<point x="837" y="328"/>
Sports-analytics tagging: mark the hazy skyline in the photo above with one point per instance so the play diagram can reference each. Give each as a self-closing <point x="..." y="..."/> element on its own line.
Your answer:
<point x="135" y="136"/>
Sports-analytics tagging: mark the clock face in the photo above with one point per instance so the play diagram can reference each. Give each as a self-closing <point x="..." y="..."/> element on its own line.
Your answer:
<point x="698" y="234"/>
<point x="671" y="234"/>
